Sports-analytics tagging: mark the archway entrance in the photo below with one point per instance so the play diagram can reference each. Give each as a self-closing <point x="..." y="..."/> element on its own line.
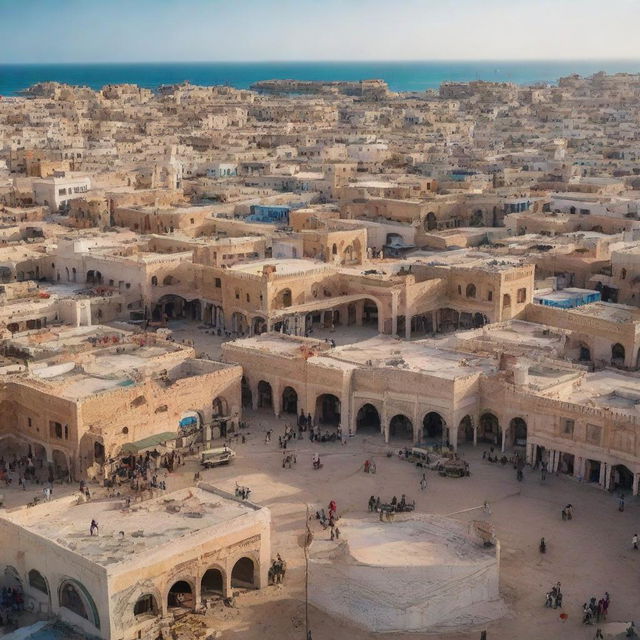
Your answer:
<point x="465" y="430"/>
<point x="433" y="426"/>
<point x="247" y="396"/>
<point x="489" y="429"/>
<point x="60" y="464"/>
<point x="518" y="428"/>
<point x="243" y="574"/>
<point x="401" y="428"/>
<point x="328" y="409"/>
<point x="368" y="420"/>
<point x="180" y="596"/>
<point x="617" y="355"/>
<point x="145" y="605"/>
<point x="169" y="307"/>
<point x="212" y="582"/>
<point x="72" y="595"/>
<point x="621" y="478"/>
<point x="265" y="395"/>
<point x="290" y="401"/>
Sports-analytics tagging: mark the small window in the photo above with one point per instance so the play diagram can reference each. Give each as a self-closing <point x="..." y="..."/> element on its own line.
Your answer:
<point x="594" y="433"/>
<point x="193" y="221"/>
<point x="125" y="430"/>
<point x="459" y="290"/>
<point x="248" y="298"/>
<point x="522" y="295"/>
<point x="489" y="296"/>
<point x="237" y="294"/>
<point x="623" y="274"/>
<point x="29" y="422"/>
<point x="567" y="427"/>
<point x="218" y="283"/>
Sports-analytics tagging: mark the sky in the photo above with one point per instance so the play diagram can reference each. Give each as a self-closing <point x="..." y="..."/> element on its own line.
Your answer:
<point x="40" y="31"/>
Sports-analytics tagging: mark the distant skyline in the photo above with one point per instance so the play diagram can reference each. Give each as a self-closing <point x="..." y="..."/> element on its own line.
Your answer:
<point x="92" y="31"/>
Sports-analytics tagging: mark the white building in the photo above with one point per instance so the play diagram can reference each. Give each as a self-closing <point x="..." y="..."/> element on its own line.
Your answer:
<point x="57" y="190"/>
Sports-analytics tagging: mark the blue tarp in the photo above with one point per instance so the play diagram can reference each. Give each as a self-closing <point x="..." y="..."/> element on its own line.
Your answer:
<point x="188" y="421"/>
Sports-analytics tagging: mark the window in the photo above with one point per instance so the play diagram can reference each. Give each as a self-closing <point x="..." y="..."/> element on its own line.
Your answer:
<point x="594" y="433"/>
<point x="522" y="295"/>
<point x="459" y="290"/>
<point x="237" y="294"/>
<point x="248" y="298"/>
<point x="55" y="429"/>
<point x="62" y="192"/>
<point x="193" y="221"/>
<point x="623" y="274"/>
<point x="489" y="296"/>
<point x="29" y="422"/>
<point x="218" y="283"/>
<point x="471" y="291"/>
<point x="567" y="427"/>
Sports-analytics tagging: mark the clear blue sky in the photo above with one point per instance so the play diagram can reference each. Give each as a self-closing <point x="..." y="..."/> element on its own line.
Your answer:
<point x="247" y="30"/>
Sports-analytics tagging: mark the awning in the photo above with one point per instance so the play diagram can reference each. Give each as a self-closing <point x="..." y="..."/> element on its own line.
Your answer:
<point x="148" y="443"/>
<point x="188" y="421"/>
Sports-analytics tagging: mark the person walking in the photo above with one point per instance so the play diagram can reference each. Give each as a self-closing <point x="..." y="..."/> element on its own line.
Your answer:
<point x="93" y="528"/>
<point x="621" y="502"/>
<point x="634" y="541"/>
<point x="423" y="482"/>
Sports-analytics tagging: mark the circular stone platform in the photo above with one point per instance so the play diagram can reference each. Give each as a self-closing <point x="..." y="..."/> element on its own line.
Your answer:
<point x="418" y="573"/>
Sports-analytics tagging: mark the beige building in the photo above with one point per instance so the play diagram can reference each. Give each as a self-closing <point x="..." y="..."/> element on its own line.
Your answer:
<point x="132" y="580"/>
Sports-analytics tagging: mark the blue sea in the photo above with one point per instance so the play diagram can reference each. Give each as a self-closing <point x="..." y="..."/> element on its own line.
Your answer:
<point x="401" y="76"/>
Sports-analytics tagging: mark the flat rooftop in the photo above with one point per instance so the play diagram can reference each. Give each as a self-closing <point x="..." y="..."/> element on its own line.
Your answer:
<point x="291" y="266"/>
<point x="166" y="520"/>
<point x="608" y="311"/>
<point x="517" y="333"/>
<point x="423" y="357"/>
<point x="280" y="344"/>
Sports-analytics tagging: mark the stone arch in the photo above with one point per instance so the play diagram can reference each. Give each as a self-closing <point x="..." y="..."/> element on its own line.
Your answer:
<point x="489" y="428"/>
<point x="259" y="325"/>
<point x="400" y="428"/>
<point x="168" y="280"/>
<point x="368" y="419"/>
<point x="265" y="395"/>
<point x="430" y="222"/>
<point x="584" y="352"/>
<point x="146" y="605"/>
<point x="283" y="299"/>
<point x="38" y="582"/>
<point x="212" y="582"/>
<point x="74" y="596"/>
<point x="60" y="463"/>
<point x="433" y="426"/>
<point x="219" y="407"/>
<point x="465" y="430"/>
<point x="518" y="431"/>
<point x="617" y="354"/>
<point x="243" y="573"/>
<point x="328" y="409"/>
<point x="181" y="595"/>
<point x="13" y="577"/>
<point x="290" y="401"/>
<point x="470" y="291"/>
<point x="171" y="306"/>
<point x="246" y="393"/>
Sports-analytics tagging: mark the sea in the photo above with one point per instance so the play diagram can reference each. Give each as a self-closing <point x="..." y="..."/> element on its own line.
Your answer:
<point x="400" y="76"/>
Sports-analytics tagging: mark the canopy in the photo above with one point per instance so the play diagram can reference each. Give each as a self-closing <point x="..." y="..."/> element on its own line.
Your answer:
<point x="148" y="443"/>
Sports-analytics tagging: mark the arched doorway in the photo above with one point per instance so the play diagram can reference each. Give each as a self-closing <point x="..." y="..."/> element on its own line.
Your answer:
<point x="370" y="312"/>
<point x="621" y="478"/>
<point x="585" y="353"/>
<point x="328" y="409"/>
<point x="430" y="221"/>
<point x="247" y="395"/>
<point x="212" y="582"/>
<point x="219" y="407"/>
<point x="617" y="355"/>
<point x="283" y="299"/>
<point x="169" y="307"/>
<point x="290" y="401"/>
<point x="243" y="573"/>
<point x="489" y="429"/>
<point x="60" y="464"/>
<point x="368" y="420"/>
<point x="259" y="325"/>
<point x="145" y="605"/>
<point x="38" y="581"/>
<point x="401" y="428"/>
<point x="180" y="596"/>
<point x="518" y="429"/>
<point x="433" y="426"/>
<point x="265" y="395"/>
<point x="465" y="430"/>
<point x="74" y="597"/>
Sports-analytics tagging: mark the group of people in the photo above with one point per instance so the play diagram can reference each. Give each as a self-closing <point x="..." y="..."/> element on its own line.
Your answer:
<point x="369" y="466"/>
<point x="554" y="597"/>
<point x="329" y="521"/>
<point x="596" y="610"/>
<point x="277" y="570"/>
<point x="28" y="470"/>
<point x="394" y="505"/>
<point x="567" y="512"/>
<point x="12" y="599"/>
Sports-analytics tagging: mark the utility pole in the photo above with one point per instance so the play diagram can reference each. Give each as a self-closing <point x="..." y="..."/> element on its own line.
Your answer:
<point x="307" y="543"/>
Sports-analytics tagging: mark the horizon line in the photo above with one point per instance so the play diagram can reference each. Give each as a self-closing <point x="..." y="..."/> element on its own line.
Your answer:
<point x="323" y="61"/>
